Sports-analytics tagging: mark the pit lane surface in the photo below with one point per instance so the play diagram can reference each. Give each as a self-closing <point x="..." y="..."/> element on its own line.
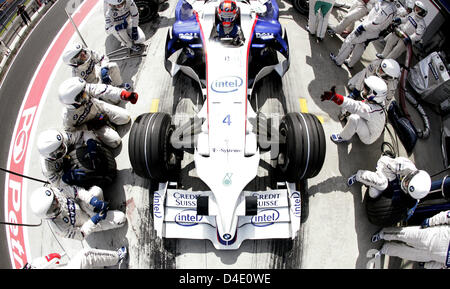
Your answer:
<point x="335" y="231"/>
<point x="14" y="87"/>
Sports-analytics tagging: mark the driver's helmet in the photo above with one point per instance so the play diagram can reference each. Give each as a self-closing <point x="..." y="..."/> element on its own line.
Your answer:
<point x="227" y="12"/>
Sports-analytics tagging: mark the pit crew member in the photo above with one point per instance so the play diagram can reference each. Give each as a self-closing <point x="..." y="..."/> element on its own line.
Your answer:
<point x="122" y="21"/>
<point x="429" y="243"/>
<point x="367" y="118"/>
<point x="87" y="108"/>
<point x="92" y="66"/>
<point x="78" y="216"/>
<point x="414" y="182"/>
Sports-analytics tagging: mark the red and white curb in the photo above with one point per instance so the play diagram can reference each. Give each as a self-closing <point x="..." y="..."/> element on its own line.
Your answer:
<point x="24" y="131"/>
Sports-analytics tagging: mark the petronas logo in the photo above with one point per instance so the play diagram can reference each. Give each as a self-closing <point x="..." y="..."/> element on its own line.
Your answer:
<point x="227" y="179"/>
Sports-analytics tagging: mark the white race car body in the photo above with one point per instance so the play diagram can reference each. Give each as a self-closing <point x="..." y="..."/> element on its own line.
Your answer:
<point x="226" y="153"/>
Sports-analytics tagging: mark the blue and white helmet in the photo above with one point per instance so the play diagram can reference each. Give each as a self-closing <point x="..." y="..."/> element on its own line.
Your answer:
<point x="417" y="184"/>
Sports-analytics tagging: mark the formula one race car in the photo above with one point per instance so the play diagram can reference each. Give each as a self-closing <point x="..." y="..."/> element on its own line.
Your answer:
<point x="227" y="137"/>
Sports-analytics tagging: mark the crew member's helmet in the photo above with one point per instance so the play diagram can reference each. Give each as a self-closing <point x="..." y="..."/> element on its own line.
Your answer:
<point x="117" y="4"/>
<point x="227" y="12"/>
<point x="389" y="69"/>
<point x="417" y="184"/>
<point x="71" y="92"/>
<point x="420" y="9"/>
<point x="376" y="89"/>
<point x="51" y="145"/>
<point x="44" y="204"/>
<point x="76" y="55"/>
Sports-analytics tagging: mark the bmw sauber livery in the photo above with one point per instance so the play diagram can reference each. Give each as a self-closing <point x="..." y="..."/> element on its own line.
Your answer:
<point x="226" y="142"/>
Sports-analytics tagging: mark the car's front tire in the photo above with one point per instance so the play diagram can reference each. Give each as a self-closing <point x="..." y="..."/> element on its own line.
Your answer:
<point x="302" y="6"/>
<point x="151" y="153"/>
<point x="304" y="148"/>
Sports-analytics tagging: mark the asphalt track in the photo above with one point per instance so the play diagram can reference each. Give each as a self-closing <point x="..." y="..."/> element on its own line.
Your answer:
<point x="14" y="87"/>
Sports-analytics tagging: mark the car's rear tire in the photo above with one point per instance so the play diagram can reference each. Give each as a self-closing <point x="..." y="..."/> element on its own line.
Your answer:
<point x="304" y="149"/>
<point x="101" y="176"/>
<point x="148" y="9"/>
<point x="149" y="147"/>
<point x="302" y="6"/>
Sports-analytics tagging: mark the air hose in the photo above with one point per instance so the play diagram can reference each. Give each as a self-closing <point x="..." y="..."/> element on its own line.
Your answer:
<point x="404" y="95"/>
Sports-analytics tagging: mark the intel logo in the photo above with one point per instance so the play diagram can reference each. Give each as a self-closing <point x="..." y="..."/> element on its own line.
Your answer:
<point x="265" y="218"/>
<point x="296" y="204"/>
<point x="188" y="218"/>
<point x="227" y="84"/>
<point x="157" y="205"/>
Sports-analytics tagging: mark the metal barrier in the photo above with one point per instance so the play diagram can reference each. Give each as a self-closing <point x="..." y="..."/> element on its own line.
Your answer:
<point x="13" y="33"/>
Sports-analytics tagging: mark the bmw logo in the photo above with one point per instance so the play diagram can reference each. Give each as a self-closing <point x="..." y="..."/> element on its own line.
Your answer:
<point x="411" y="189"/>
<point x="58" y="137"/>
<point x="48" y="193"/>
<point x="65" y="219"/>
<point x="384" y="65"/>
<point x="75" y="117"/>
<point x="78" y="46"/>
<point x="227" y="236"/>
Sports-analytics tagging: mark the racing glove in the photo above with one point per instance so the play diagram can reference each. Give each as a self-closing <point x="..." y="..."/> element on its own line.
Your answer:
<point x="122" y="25"/>
<point x="99" y="205"/>
<point x="359" y="30"/>
<point x="129" y="96"/>
<point x="407" y="41"/>
<point x="98" y="217"/>
<point x="354" y="94"/>
<point x="104" y="72"/>
<point x="73" y="176"/>
<point x="425" y="223"/>
<point x="333" y="96"/>
<point x="134" y="33"/>
<point x="397" y="21"/>
<point x="92" y="152"/>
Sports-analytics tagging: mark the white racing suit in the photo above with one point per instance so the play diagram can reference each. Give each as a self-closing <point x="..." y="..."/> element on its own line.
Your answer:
<point x="53" y="170"/>
<point x="85" y="259"/>
<point x="414" y="26"/>
<point x="388" y="169"/>
<point x="431" y="245"/>
<point x="359" y="9"/>
<point x="379" y="18"/>
<point x="76" y="118"/>
<point x="74" y="221"/>
<point x="90" y="71"/>
<point x="357" y="81"/>
<point x="367" y="120"/>
<point x="319" y="12"/>
<point x="120" y="22"/>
